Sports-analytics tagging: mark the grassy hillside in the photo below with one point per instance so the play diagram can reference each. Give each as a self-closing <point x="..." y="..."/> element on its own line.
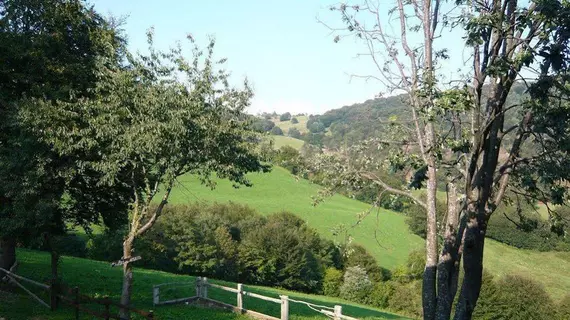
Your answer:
<point x="98" y="278"/>
<point x="280" y="191"/>
<point x="384" y="233"/>
<point x="286" y="125"/>
<point x="279" y="141"/>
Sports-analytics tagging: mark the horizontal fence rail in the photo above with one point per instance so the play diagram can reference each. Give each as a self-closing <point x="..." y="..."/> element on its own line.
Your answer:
<point x="202" y="286"/>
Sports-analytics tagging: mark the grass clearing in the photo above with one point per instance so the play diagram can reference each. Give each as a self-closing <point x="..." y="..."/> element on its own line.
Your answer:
<point x="280" y="141"/>
<point x="99" y="278"/>
<point x="286" y="125"/>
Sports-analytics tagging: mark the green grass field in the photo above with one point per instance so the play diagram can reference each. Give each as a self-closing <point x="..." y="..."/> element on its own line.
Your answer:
<point x="96" y="278"/>
<point x="286" y="125"/>
<point x="280" y="141"/>
<point x="384" y="233"/>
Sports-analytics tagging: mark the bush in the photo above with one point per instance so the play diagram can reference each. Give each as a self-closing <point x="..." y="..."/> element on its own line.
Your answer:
<point x="525" y="231"/>
<point x="71" y="245"/>
<point x="263" y="125"/>
<point x="380" y="295"/>
<point x="513" y="297"/>
<point x="332" y="282"/>
<point x="294" y="120"/>
<point x="357" y="256"/>
<point x="407" y="299"/>
<point x="277" y="131"/>
<point x="294" y="133"/>
<point x="356" y="285"/>
<point x="107" y="246"/>
<point x="285" y="117"/>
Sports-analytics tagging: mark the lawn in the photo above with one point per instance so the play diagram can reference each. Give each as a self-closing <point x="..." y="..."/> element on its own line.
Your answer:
<point x="96" y="278"/>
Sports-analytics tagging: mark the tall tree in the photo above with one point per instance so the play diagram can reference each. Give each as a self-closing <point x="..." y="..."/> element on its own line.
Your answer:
<point x="161" y="117"/>
<point x="48" y="51"/>
<point x="457" y="128"/>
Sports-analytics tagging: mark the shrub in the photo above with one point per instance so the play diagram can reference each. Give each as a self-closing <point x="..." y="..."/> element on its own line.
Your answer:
<point x="263" y="125"/>
<point x="277" y="131"/>
<point x="332" y="282"/>
<point x="413" y="269"/>
<point x="514" y="297"/>
<point x="71" y="245"/>
<point x="525" y="230"/>
<point x="356" y="285"/>
<point x="285" y="117"/>
<point x="357" y="256"/>
<point x="407" y="299"/>
<point x="294" y="120"/>
<point x="294" y="133"/>
<point x="380" y="295"/>
<point x="107" y="246"/>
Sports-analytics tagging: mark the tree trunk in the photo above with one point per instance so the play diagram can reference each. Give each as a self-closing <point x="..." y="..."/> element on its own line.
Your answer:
<point x="473" y="267"/>
<point x="127" y="278"/>
<point x="8" y="257"/>
<point x="429" y="298"/>
<point x="447" y="269"/>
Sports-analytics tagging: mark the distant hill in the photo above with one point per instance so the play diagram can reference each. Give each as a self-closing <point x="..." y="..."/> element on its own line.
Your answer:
<point x="354" y="123"/>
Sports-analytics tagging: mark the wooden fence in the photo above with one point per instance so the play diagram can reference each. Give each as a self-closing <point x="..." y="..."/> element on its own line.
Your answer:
<point x="72" y="297"/>
<point x="202" y="286"/>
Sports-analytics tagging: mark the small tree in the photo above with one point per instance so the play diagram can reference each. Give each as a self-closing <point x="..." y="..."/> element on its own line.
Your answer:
<point x="294" y="133"/>
<point x="148" y="127"/>
<point x="356" y="285"/>
<point x="285" y="117"/>
<point x="294" y="120"/>
<point x="277" y="131"/>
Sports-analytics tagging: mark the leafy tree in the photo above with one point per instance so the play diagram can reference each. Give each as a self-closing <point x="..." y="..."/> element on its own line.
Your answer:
<point x="277" y="131"/>
<point x="294" y="133"/>
<point x="356" y="285"/>
<point x="263" y="125"/>
<point x="50" y="51"/>
<point x="148" y="127"/>
<point x="285" y="117"/>
<point x="482" y="161"/>
<point x="332" y="282"/>
<point x="317" y="127"/>
<point x="294" y="120"/>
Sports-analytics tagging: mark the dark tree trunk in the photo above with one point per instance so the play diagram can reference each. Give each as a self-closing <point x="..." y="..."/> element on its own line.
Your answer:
<point x="127" y="279"/>
<point x="473" y="268"/>
<point x="8" y="256"/>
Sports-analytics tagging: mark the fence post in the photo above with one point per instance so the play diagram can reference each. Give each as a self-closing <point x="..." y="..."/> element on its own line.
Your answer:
<point x="205" y="287"/>
<point x="155" y="295"/>
<point x="284" y="307"/>
<point x="107" y="307"/>
<point x="198" y="289"/>
<point x="53" y="294"/>
<point x="337" y="312"/>
<point x="76" y="301"/>
<point x="240" y="296"/>
<point x="150" y="315"/>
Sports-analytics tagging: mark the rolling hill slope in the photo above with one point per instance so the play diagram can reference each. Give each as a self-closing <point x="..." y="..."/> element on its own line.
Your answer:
<point x="384" y="233"/>
<point x="280" y="191"/>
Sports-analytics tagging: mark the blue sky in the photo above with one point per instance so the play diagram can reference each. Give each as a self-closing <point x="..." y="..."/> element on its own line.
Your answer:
<point x="288" y="56"/>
